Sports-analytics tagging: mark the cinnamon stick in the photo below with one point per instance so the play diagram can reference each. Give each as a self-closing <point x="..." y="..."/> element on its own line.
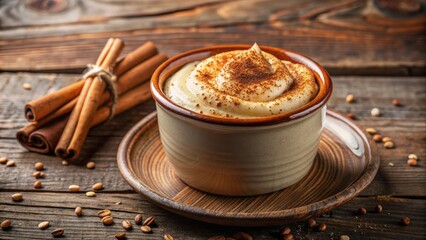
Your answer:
<point x="78" y="124"/>
<point x="45" y="106"/>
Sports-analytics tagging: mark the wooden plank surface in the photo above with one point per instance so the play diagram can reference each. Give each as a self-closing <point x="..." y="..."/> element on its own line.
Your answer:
<point x="406" y="125"/>
<point x="348" y="37"/>
<point x="58" y="209"/>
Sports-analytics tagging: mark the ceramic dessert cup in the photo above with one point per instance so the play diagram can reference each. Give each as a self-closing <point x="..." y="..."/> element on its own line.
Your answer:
<point x="240" y="157"/>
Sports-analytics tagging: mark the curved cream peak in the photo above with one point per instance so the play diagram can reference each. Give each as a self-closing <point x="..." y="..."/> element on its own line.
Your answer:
<point x="242" y="84"/>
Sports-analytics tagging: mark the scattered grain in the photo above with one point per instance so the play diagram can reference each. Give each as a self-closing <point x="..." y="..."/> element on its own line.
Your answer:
<point x="17" y="197"/>
<point x="3" y="160"/>
<point x="146" y="229"/>
<point x="389" y="145"/>
<point x="350" y="98"/>
<point x="412" y="162"/>
<point x="371" y="131"/>
<point x="120" y="235"/>
<point x="74" y="188"/>
<point x="37" y="184"/>
<point x="405" y="221"/>
<point x="90" y="165"/>
<point x="78" y="211"/>
<point x="59" y="232"/>
<point x="43" y="225"/>
<point x="98" y="186"/>
<point x="413" y="156"/>
<point x="65" y="163"/>
<point x="39" y="166"/>
<point x="26" y="86"/>
<point x="375" y="112"/>
<point x="10" y="163"/>
<point x="5" y="225"/>
<point x="90" y="194"/>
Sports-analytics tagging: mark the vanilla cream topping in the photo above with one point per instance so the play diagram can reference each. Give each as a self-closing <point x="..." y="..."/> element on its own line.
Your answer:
<point x="242" y="84"/>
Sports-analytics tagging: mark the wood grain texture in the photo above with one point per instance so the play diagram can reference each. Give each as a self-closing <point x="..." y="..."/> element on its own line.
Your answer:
<point x="347" y="37"/>
<point x="406" y="125"/>
<point x="58" y="209"/>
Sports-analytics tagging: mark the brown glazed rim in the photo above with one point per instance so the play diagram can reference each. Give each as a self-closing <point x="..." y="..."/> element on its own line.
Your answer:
<point x="172" y="65"/>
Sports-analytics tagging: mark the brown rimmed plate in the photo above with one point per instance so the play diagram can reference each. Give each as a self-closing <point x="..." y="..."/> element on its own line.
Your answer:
<point x="346" y="163"/>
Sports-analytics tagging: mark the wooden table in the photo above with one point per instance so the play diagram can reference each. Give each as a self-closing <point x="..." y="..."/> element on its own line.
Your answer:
<point x="373" y="49"/>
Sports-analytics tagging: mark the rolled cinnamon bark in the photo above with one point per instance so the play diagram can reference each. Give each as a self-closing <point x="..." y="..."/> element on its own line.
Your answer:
<point x="45" y="106"/>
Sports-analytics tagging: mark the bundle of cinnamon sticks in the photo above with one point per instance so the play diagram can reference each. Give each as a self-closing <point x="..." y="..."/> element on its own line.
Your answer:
<point x="59" y="122"/>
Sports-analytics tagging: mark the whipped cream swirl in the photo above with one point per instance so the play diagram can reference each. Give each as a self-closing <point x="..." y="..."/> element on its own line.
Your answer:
<point x="242" y="84"/>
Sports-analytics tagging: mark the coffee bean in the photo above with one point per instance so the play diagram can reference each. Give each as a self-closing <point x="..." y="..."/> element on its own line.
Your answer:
<point x="138" y="219"/>
<point x="405" y="221"/>
<point x="216" y="238"/>
<point x="396" y="103"/>
<point x="3" y="160"/>
<point x="37" y="184"/>
<point x="43" y="225"/>
<point x="146" y="229"/>
<point x="351" y="116"/>
<point x="288" y="237"/>
<point x="107" y="220"/>
<point x="78" y="211"/>
<point x="312" y="223"/>
<point x="10" y="163"/>
<point x="371" y="131"/>
<point x="168" y="237"/>
<point x="242" y="236"/>
<point x="120" y="235"/>
<point x="74" y="188"/>
<point x="59" y="232"/>
<point x="412" y="162"/>
<point x="90" y="194"/>
<point x="65" y="163"/>
<point x="17" y="197"/>
<point x="389" y="145"/>
<point x="5" y="224"/>
<point x="90" y="165"/>
<point x="344" y="237"/>
<point x="285" y="231"/>
<point x="362" y="211"/>
<point x="98" y="186"/>
<point x="26" y="86"/>
<point x="377" y="138"/>
<point x="104" y="213"/>
<point x="412" y="156"/>
<point x="350" y="98"/>
<point x="379" y="208"/>
<point x="127" y="225"/>
<point x="149" y="221"/>
<point x="39" y="166"/>
<point x="375" y="112"/>
<point x="322" y="227"/>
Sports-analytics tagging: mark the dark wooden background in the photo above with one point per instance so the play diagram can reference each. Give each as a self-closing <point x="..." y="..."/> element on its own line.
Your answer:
<point x="373" y="49"/>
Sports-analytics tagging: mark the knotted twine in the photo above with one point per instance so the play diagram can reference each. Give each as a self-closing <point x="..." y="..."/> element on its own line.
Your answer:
<point x="108" y="78"/>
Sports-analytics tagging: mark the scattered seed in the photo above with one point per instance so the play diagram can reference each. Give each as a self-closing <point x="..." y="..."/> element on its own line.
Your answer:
<point x="107" y="220"/>
<point x="350" y="98"/>
<point x="138" y="219"/>
<point x="379" y="208"/>
<point x="74" y="188"/>
<point x="26" y="86"/>
<point x="149" y="221"/>
<point x="90" y="194"/>
<point x="168" y="237"/>
<point x="78" y="211"/>
<point x="375" y="112"/>
<point x="389" y="145"/>
<point x="10" y="163"/>
<point x="371" y="131"/>
<point x="344" y="237"/>
<point x="103" y="213"/>
<point x="362" y="211"/>
<point x="37" y="184"/>
<point x="387" y="139"/>
<point x="146" y="229"/>
<point x="322" y="227"/>
<point x="351" y="116"/>
<point x="127" y="225"/>
<point x="39" y="166"/>
<point x="3" y="160"/>
<point x="312" y="223"/>
<point x="59" y="232"/>
<point x="284" y="231"/>
<point x="17" y="197"/>
<point x="5" y="224"/>
<point x="120" y="235"/>
<point x="98" y="186"/>
<point x="412" y="156"/>
<point x="405" y="221"/>
<point x="43" y="225"/>
<point x="65" y="163"/>
<point x="90" y="165"/>
<point x="377" y="138"/>
<point x="412" y="162"/>
<point x="217" y="238"/>
<point x="38" y="174"/>
<point x="242" y="236"/>
<point x="288" y="237"/>
<point x="396" y="103"/>
<point x="117" y="203"/>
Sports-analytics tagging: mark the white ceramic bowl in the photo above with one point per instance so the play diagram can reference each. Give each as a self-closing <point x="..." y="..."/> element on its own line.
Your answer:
<point x="240" y="157"/>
